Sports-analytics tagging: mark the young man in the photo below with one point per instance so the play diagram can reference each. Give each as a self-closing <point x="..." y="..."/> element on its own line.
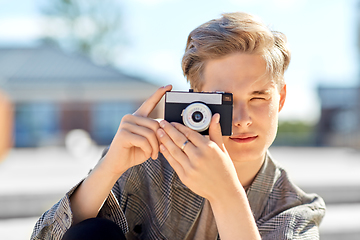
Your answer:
<point x="201" y="187"/>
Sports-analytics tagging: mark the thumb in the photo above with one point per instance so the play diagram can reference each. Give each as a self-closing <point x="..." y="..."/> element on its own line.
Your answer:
<point x="215" y="134"/>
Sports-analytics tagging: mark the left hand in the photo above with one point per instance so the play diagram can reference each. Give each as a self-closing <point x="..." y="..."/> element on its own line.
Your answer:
<point x="203" y="164"/>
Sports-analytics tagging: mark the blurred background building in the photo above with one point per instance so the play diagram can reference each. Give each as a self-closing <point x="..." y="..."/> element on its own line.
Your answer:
<point x="54" y="92"/>
<point x="339" y="124"/>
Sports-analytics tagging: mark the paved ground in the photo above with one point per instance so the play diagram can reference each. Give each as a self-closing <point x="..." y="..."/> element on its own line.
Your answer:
<point x="32" y="180"/>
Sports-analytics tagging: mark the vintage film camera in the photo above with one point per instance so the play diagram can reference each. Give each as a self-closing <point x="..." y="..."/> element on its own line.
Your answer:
<point x="195" y="109"/>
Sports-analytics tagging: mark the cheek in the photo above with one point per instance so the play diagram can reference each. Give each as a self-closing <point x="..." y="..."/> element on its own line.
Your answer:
<point x="272" y="126"/>
<point x="266" y="112"/>
<point x="267" y="116"/>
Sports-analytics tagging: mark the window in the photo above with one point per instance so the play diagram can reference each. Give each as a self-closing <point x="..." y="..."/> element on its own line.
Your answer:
<point x="36" y="124"/>
<point x="106" y="117"/>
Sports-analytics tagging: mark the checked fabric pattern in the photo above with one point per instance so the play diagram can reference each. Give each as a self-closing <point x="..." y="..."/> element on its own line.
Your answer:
<point x="150" y="202"/>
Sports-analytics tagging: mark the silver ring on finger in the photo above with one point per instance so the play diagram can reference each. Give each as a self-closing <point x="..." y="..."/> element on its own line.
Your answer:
<point x="184" y="144"/>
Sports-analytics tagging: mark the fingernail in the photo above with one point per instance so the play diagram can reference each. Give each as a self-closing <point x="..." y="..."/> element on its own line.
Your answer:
<point x="217" y="120"/>
<point x="166" y="86"/>
<point x="162" y="148"/>
<point x="160" y="133"/>
<point x="162" y="124"/>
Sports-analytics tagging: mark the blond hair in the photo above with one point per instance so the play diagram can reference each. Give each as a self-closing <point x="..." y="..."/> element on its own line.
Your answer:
<point x="234" y="32"/>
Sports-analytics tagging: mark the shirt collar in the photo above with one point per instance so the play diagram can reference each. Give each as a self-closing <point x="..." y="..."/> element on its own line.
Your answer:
<point x="260" y="189"/>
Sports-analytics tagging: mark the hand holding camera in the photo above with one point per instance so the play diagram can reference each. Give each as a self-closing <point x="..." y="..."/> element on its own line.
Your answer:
<point x="201" y="163"/>
<point x="135" y="140"/>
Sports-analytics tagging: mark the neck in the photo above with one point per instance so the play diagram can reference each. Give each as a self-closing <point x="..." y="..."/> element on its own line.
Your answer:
<point x="247" y="171"/>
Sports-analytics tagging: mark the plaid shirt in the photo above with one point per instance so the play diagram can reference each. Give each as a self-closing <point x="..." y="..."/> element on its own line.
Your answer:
<point x="150" y="202"/>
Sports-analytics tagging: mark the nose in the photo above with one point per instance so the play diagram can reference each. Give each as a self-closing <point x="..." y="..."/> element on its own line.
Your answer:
<point x="241" y="116"/>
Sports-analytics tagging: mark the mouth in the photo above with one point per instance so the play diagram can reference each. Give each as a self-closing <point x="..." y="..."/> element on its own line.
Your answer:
<point x="245" y="138"/>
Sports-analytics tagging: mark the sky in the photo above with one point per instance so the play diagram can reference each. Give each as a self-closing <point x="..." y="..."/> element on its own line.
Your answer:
<point x="322" y="35"/>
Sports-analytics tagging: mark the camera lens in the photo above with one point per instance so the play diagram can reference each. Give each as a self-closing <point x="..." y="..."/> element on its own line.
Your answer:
<point x="197" y="116"/>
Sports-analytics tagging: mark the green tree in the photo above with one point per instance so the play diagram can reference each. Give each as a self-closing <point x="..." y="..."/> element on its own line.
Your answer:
<point x="295" y="134"/>
<point x="92" y="27"/>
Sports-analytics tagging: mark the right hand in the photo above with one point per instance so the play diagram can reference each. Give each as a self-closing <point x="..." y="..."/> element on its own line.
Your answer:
<point x="135" y="140"/>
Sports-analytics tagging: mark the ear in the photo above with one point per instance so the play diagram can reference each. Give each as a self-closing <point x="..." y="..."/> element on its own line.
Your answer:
<point x="282" y="97"/>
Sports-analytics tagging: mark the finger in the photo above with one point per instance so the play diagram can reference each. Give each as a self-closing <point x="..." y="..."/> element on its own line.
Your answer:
<point x="134" y="140"/>
<point x="147" y="133"/>
<point x="141" y="121"/>
<point x="148" y="106"/>
<point x="174" y="148"/>
<point x="172" y="161"/>
<point x="150" y="127"/>
<point x="178" y="137"/>
<point x="196" y="138"/>
<point x="215" y="134"/>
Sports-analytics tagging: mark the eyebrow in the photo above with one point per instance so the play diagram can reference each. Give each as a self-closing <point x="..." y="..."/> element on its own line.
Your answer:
<point x="261" y="92"/>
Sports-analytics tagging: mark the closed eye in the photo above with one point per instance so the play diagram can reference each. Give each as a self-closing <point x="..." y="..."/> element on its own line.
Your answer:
<point x="260" y="95"/>
<point x="257" y="98"/>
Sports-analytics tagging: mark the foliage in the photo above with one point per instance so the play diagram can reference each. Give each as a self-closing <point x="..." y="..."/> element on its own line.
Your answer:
<point x="92" y="27"/>
<point x="295" y="133"/>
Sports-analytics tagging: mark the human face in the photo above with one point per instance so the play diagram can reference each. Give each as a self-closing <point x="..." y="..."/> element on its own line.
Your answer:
<point x="257" y="102"/>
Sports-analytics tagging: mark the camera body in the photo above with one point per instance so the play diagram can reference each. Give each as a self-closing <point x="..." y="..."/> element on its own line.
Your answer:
<point x="195" y="109"/>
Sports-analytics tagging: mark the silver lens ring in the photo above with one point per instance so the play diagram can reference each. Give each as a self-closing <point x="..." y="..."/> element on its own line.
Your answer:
<point x="197" y="116"/>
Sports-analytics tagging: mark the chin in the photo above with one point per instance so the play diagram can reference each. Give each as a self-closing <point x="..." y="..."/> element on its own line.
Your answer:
<point x="245" y="153"/>
<point x="246" y="156"/>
